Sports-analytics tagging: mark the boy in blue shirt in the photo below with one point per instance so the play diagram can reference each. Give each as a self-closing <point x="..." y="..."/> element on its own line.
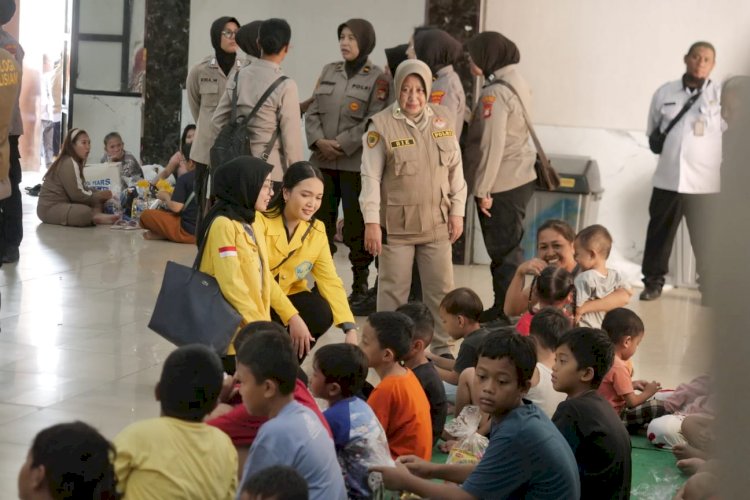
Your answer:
<point x="526" y="458"/>
<point x="339" y="372"/>
<point x="267" y="371"/>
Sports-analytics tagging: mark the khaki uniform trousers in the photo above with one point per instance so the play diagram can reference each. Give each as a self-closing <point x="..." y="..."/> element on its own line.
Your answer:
<point x="435" y="266"/>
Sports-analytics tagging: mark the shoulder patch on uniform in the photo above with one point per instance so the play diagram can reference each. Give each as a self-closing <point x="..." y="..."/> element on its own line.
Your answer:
<point x="372" y="139"/>
<point x="439" y="122"/>
<point x="437" y="97"/>
<point x="398" y="143"/>
<point x="487" y="102"/>
<point x="381" y="90"/>
<point x="442" y="133"/>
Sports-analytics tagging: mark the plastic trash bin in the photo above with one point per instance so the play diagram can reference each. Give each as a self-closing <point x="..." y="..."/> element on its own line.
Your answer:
<point x="576" y="201"/>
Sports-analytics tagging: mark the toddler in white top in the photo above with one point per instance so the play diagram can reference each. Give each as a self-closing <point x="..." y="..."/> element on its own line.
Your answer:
<point x="596" y="282"/>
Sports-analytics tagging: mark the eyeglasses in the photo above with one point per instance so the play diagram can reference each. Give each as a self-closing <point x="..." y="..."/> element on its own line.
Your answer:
<point x="228" y="33"/>
<point x="268" y="185"/>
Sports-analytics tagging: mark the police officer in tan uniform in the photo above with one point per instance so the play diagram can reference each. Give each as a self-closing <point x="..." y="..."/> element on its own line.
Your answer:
<point x="279" y="115"/>
<point x="413" y="194"/>
<point x="11" y="211"/>
<point x="440" y="51"/>
<point x="10" y="85"/>
<point x="499" y="160"/>
<point x="205" y="84"/>
<point x="347" y="94"/>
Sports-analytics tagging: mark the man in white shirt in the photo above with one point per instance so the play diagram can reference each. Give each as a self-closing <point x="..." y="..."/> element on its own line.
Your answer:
<point x="687" y="175"/>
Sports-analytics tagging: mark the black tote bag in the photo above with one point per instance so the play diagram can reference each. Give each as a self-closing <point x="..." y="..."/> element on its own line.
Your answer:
<point x="190" y="308"/>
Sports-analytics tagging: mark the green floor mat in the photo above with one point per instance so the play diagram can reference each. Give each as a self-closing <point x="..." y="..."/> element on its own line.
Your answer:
<point x="655" y="475"/>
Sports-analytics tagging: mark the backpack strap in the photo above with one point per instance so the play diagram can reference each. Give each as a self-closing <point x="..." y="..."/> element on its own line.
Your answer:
<point x="540" y="151"/>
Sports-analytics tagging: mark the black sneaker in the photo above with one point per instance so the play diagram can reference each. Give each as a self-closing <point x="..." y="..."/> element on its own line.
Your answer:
<point x="11" y="255"/>
<point x="367" y="305"/>
<point x="33" y="191"/>
<point x="651" y="292"/>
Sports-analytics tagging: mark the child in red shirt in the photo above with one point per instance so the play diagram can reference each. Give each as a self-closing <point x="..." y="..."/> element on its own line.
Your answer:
<point x="399" y="400"/>
<point x="626" y="331"/>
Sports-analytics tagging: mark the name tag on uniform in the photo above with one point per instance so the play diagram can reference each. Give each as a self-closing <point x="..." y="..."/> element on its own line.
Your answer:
<point x="402" y="142"/>
<point x="442" y="133"/>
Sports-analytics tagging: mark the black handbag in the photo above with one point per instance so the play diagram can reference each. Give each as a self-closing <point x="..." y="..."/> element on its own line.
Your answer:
<point x="547" y="177"/>
<point x="657" y="138"/>
<point x="190" y="308"/>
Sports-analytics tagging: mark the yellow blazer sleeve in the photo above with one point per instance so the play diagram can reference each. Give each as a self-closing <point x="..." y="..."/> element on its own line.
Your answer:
<point x="222" y="255"/>
<point x="330" y="285"/>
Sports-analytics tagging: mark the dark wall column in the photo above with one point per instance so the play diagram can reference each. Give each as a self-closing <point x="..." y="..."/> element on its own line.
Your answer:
<point x="166" y="41"/>
<point x="460" y="18"/>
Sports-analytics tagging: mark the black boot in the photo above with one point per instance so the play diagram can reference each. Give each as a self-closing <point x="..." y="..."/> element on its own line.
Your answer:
<point x="359" y="287"/>
<point x="368" y="305"/>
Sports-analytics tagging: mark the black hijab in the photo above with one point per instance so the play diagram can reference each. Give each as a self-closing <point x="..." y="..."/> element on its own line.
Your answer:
<point x="7" y="11"/>
<point x="247" y="38"/>
<point x="436" y="48"/>
<point x="365" y="35"/>
<point x="236" y="186"/>
<point x="395" y="56"/>
<point x="491" y="51"/>
<point x="225" y="59"/>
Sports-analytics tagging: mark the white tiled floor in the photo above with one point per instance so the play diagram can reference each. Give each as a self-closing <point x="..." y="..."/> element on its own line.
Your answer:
<point x="74" y="342"/>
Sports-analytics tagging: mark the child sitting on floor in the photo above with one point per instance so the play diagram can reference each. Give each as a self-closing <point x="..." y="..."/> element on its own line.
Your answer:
<point x="459" y="312"/>
<point x="293" y="436"/>
<point x="177" y="455"/>
<point x="547" y="326"/>
<point x="114" y="152"/>
<point x="339" y="372"/>
<point x="552" y="288"/>
<point x="69" y="460"/>
<point x="416" y="360"/>
<point x="398" y="400"/>
<point x="232" y="417"/>
<point x="594" y="432"/>
<point x="275" y="483"/>
<point x="527" y="457"/>
<point x="596" y="282"/>
<point x="626" y="331"/>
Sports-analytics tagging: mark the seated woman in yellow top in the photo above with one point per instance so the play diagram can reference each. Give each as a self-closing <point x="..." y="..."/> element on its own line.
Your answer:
<point x="298" y="246"/>
<point x="235" y="247"/>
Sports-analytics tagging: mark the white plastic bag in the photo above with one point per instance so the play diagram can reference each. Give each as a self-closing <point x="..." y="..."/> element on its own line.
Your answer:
<point x="471" y="445"/>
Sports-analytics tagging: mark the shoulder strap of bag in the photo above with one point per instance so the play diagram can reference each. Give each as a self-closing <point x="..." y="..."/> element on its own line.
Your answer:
<point x="265" y="96"/>
<point x="685" y="108"/>
<point x="307" y="231"/>
<point x="201" y="248"/>
<point x="538" y="145"/>
<point x="234" y="97"/>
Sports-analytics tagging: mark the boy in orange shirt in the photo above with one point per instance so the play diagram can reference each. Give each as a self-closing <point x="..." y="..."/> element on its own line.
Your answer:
<point x="398" y="400"/>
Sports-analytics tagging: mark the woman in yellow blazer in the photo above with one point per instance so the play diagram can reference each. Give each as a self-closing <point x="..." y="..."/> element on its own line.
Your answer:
<point x="235" y="246"/>
<point x="298" y="246"/>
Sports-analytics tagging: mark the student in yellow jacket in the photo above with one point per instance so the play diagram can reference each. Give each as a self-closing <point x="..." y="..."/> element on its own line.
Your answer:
<point x="235" y="247"/>
<point x="298" y="246"/>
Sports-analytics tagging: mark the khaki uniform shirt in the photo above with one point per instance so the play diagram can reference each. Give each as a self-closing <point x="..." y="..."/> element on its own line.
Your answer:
<point x="205" y="86"/>
<point x="498" y="156"/>
<point x="280" y="110"/>
<point x="448" y="91"/>
<point x="10" y="85"/>
<point x="412" y="177"/>
<point x="10" y="44"/>
<point x="340" y="109"/>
